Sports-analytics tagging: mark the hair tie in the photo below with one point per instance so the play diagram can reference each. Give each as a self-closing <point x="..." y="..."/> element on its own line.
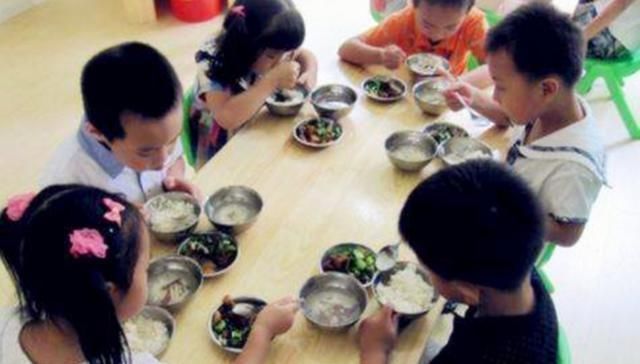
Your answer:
<point x="87" y="243"/>
<point x="239" y="10"/>
<point x="114" y="212"/>
<point x="17" y="205"/>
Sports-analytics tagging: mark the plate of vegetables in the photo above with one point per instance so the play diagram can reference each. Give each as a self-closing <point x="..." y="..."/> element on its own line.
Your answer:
<point x="442" y="131"/>
<point x="230" y="323"/>
<point x="354" y="259"/>
<point x="318" y="132"/>
<point x="214" y="251"/>
<point x="384" y="88"/>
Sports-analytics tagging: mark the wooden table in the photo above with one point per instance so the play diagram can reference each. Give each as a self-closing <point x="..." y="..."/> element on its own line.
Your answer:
<point x="313" y="199"/>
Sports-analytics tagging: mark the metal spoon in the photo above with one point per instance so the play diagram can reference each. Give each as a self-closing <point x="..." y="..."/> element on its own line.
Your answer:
<point x="245" y="310"/>
<point x="472" y="111"/>
<point x="387" y="257"/>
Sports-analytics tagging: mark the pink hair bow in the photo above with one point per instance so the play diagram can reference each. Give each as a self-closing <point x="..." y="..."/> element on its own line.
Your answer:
<point x="239" y="10"/>
<point x="87" y="242"/>
<point x="115" y="210"/>
<point x="17" y="205"/>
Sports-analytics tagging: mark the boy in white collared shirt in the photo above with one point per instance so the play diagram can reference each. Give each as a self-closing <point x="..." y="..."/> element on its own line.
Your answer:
<point x="535" y="59"/>
<point x="129" y="141"/>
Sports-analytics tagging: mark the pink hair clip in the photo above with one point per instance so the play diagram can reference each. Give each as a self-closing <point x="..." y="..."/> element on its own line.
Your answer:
<point x="87" y="242"/>
<point x="239" y="10"/>
<point x="115" y="210"/>
<point x="17" y="205"/>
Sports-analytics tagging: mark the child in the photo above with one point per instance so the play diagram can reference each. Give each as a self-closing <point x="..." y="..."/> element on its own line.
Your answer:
<point x="128" y="140"/>
<point x="488" y="265"/>
<point x="612" y="27"/>
<point x="255" y="55"/>
<point x="449" y="28"/>
<point x="559" y="152"/>
<point x="79" y="259"/>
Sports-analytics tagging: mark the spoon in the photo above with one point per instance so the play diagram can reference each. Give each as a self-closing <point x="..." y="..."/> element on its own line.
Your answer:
<point x="472" y="111"/>
<point x="387" y="257"/>
<point x="245" y="310"/>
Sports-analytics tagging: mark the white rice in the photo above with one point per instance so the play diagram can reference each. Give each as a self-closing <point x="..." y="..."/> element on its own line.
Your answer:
<point x="406" y="292"/>
<point x="172" y="215"/>
<point x="146" y="335"/>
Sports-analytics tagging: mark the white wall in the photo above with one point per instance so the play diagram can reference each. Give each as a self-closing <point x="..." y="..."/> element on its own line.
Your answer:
<point x="9" y="8"/>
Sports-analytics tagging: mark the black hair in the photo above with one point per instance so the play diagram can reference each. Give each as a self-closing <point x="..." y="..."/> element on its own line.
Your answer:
<point x="476" y="222"/>
<point x="465" y="4"/>
<point x="128" y="78"/>
<point x="541" y="42"/>
<point x="259" y="25"/>
<point x="54" y="285"/>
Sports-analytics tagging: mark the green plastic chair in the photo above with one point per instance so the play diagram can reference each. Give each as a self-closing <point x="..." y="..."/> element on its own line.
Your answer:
<point x="613" y="72"/>
<point x="185" y="137"/>
<point x="492" y="19"/>
<point x="564" y="354"/>
<point x="543" y="259"/>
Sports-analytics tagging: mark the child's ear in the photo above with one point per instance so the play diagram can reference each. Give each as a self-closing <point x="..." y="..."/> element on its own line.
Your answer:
<point x="550" y="86"/>
<point x="467" y="293"/>
<point x="94" y="132"/>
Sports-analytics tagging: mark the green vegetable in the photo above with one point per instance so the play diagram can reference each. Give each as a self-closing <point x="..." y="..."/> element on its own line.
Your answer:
<point x="220" y="326"/>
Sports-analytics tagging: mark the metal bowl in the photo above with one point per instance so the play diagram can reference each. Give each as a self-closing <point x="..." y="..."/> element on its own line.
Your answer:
<point x="233" y="209"/>
<point x="320" y="289"/>
<point x="255" y="301"/>
<point x="458" y="150"/>
<point x="166" y="271"/>
<point x="333" y="101"/>
<point x="393" y="81"/>
<point x="336" y="247"/>
<point x="288" y="108"/>
<point x="384" y="277"/>
<point x="428" y="95"/>
<point x="426" y="64"/>
<point x="161" y="315"/>
<point x="299" y="137"/>
<point x="423" y="145"/>
<point x="217" y="236"/>
<point x="183" y="227"/>
<point x="442" y="131"/>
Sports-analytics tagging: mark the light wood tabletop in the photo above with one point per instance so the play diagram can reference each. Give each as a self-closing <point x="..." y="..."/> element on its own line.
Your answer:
<point x="313" y="199"/>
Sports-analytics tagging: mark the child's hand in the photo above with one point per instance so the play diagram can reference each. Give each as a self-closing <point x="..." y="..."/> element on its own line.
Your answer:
<point x="172" y="183"/>
<point x="393" y="56"/>
<point x="308" y="80"/>
<point x="278" y="317"/>
<point x="377" y="334"/>
<point x="466" y="91"/>
<point x="285" y="74"/>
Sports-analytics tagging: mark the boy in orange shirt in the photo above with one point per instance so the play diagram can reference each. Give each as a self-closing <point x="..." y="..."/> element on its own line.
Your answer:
<point x="449" y="28"/>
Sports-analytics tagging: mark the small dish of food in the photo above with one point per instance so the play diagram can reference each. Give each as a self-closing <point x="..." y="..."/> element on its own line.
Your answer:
<point x="442" y="131"/>
<point x="318" y="132"/>
<point x="384" y="88"/>
<point x="230" y="323"/>
<point x="354" y="259"/>
<point x="215" y="251"/>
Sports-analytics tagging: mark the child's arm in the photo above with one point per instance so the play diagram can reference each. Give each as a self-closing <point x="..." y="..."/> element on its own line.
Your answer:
<point x="479" y="77"/>
<point x="563" y="234"/>
<point x="481" y="102"/>
<point x="275" y="319"/>
<point x="377" y="336"/>
<point x="610" y="12"/>
<point x="355" y="50"/>
<point x="308" y="68"/>
<point x="231" y="112"/>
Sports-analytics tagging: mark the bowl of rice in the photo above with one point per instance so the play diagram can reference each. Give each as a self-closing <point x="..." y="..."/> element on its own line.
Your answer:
<point x="406" y="288"/>
<point x="410" y="151"/>
<point x="150" y="331"/>
<point x="459" y="150"/>
<point x="287" y="102"/>
<point x="172" y="216"/>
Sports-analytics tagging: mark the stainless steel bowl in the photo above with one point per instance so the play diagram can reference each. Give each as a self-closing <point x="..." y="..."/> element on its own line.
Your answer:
<point x="323" y="292"/>
<point x="163" y="316"/>
<point x="333" y="101"/>
<point x="233" y="209"/>
<point x="418" y="142"/>
<point x="458" y="150"/>
<point x="254" y="301"/>
<point x="383" y="278"/>
<point x="169" y="270"/>
<point x="288" y="108"/>
<point x="394" y="81"/>
<point x="426" y="64"/>
<point x="337" y="247"/>
<point x="443" y="131"/>
<point x="184" y="227"/>
<point x="428" y="95"/>
<point x="217" y="236"/>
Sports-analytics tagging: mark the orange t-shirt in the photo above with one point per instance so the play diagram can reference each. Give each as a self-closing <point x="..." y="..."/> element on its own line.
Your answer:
<point x="401" y="29"/>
